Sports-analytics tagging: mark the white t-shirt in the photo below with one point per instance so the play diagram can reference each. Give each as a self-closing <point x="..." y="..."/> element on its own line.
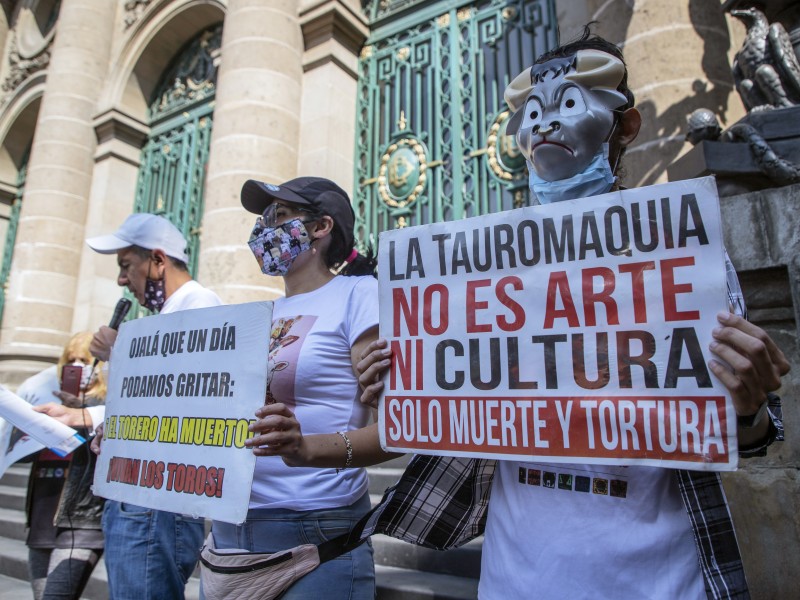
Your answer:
<point x="190" y="295"/>
<point x="312" y="374"/>
<point x="587" y="531"/>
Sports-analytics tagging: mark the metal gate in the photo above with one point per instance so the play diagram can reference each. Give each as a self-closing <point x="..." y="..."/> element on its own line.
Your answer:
<point x="430" y="143"/>
<point x="11" y="232"/>
<point x="173" y="165"/>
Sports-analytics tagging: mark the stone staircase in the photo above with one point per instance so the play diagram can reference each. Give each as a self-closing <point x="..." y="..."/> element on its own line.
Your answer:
<point x="403" y="571"/>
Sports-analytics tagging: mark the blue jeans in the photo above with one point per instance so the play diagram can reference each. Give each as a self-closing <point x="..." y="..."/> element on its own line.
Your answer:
<point x="348" y="577"/>
<point x="150" y="554"/>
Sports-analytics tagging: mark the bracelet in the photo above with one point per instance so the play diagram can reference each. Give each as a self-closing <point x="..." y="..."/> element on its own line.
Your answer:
<point x="349" y="460"/>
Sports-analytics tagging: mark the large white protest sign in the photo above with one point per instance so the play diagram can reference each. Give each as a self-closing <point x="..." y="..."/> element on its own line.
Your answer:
<point x="40" y="431"/>
<point x="183" y="389"/>
<point x="572" y="332"/>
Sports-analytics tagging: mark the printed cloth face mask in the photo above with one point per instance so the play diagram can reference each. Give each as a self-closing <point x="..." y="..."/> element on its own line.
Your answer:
<point x="277" y="247"/>
<point x="154" y="297"/>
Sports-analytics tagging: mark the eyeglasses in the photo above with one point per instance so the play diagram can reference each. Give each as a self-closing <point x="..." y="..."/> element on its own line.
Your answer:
<point x="275" y="213"/>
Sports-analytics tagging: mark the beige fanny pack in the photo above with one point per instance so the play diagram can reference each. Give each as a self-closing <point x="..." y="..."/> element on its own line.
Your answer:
<point x="236" y="574"/>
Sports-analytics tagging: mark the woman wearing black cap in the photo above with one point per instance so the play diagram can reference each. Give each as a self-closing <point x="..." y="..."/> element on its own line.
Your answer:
<point x="304" y="232"/>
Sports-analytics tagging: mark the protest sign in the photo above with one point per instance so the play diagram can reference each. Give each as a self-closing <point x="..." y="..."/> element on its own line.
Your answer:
<point x="183" y="389"/>
<point x="34" y="430"/>
<point x="572" y="332"/>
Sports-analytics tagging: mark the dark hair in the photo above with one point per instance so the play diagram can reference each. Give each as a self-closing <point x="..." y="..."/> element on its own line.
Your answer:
<point x="145" y="253"/>
<point x="592" y="41"/>
<point x="338" y="253"/>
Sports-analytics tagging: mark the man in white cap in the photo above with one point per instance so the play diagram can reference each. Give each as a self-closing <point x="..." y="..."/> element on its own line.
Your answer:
<point x="149" y="554"/>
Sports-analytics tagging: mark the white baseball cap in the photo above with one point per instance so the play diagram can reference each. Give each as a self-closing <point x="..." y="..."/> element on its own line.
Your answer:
<point x="146" y="231"/>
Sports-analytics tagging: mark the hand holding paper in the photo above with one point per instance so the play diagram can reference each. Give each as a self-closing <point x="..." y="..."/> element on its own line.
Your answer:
<point x="60" y="438"/>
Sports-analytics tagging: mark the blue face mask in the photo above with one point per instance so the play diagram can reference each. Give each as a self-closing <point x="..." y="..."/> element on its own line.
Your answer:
<point x="597" y="178"/>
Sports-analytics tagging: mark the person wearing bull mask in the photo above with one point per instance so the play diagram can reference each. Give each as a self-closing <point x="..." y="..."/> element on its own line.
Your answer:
<point x="661" y="533"/>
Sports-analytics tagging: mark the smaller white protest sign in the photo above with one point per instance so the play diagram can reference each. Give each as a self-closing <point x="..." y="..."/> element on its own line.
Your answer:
<point x="45" y="430"/>
<point x="183" y="389"/>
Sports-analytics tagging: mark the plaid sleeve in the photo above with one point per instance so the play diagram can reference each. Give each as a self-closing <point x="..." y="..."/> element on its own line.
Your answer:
<point x="439" y="502"/>
<point x="714" y="536"/>
<point x="737" y="305"/>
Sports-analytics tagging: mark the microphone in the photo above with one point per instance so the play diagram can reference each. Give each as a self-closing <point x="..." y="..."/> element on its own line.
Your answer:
<point x="120" y="310"/>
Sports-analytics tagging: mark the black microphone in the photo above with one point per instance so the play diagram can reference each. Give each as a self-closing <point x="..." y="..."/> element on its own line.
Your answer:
<point x="120" y="310"/>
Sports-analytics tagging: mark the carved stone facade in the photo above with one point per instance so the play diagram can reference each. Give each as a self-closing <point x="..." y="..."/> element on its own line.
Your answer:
<point x="134" y="9"/>
<point x="285" y="103"/>
<point x="21" y="68"/>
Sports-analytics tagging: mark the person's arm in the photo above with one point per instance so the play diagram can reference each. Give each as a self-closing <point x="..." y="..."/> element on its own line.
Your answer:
<point x="756" y="367"/>
<point x="74" y="417"/>
<point x="278" y="432"/>
<point x="102" y="342"/>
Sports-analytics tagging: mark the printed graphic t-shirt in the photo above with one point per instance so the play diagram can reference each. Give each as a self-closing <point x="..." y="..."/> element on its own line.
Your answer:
<point x="312" y="373"/>
<point x="587" y="531"/>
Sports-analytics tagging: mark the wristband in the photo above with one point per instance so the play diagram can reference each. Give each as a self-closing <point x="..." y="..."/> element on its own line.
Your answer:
<point x="750" y="421"/>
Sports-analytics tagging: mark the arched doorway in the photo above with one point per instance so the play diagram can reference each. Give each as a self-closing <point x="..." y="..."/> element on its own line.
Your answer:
<point x="172" y="172"/>
<point x="10" y="224"/>
<point x="173" y="163"/>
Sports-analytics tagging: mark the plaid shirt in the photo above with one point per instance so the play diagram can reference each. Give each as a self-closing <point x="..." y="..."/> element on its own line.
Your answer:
<point x="441" y="502"/>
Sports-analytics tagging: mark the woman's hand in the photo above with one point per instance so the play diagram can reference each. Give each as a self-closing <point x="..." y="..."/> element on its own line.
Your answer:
<point x="375" y="360"/>
<point x="277" y="433"/>
<point x="68" y="400"/>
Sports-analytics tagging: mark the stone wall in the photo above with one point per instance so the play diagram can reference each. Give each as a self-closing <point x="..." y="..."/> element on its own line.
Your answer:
<point x="762" y="234"/>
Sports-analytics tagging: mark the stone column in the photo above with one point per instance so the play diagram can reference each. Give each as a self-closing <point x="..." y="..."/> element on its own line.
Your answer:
<point x="43" y="283"/>
<point x="256" y="135"/>
<point x="678" y="58"/>
<point x="333" y="34"/>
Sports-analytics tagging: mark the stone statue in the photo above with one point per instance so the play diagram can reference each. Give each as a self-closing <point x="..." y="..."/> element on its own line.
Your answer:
<point x="704" y="126"/>
<point x="765" y="70"/>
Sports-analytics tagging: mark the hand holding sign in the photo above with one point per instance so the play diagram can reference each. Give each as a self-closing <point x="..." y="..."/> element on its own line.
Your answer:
<point x="277" y="433"/>
<point x="374" y="363"/>
<point x="756" y="363"/>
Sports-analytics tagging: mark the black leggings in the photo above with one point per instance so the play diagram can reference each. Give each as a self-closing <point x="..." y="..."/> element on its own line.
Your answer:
<point x="60" y="574"/>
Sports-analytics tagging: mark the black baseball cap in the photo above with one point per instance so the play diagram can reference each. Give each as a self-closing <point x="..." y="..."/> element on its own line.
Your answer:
<point x="318" y="193"/>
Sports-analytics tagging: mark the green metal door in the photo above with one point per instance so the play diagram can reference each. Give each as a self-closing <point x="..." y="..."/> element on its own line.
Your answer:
<point x="174" y="158"/>
<point x="430" y="143"/>
<point x="11" y="233"/>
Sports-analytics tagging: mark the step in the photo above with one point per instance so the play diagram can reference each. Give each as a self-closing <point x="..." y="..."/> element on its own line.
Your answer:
<point x="12" y="524"/>
<point x="382" y="478"/>
<point x="461" y="562"/>
<point x="404" y="584"/>
<point x="12" y="497"/>
<point x="16" y="476"/>
<point x="15" y="589"/>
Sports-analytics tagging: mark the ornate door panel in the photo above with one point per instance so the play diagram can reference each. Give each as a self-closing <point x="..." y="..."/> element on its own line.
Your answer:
<point x="11" y="232"/>
<point x="430" y="143"/>
<point x="173" y="164"/>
